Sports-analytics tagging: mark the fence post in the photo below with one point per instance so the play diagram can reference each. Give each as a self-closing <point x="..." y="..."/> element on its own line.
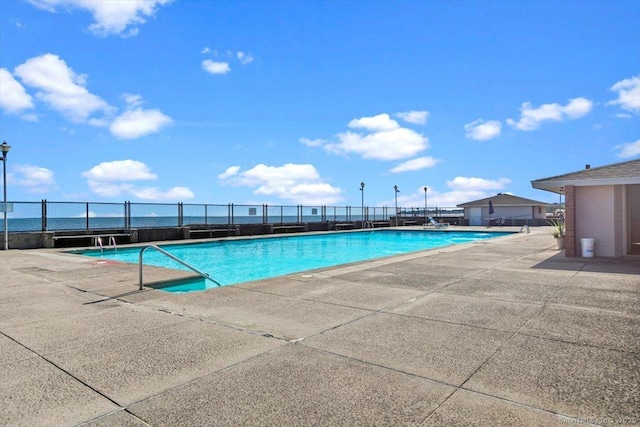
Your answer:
<point x="44" y="215"/>
<point x="87" y="214"/>
<point x="179" y="214"/>
<point x="205" y="215"/>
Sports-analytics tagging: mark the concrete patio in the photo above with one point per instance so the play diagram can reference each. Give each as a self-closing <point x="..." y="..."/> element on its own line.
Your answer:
<point x="498" y="332"/>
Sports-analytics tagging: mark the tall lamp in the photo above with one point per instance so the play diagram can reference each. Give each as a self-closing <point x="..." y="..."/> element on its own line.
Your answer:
<point x="362" y="204"/>
<point x="425" y="205"/>
<point x="4" y="148"/>
<point x="395" y="187"/>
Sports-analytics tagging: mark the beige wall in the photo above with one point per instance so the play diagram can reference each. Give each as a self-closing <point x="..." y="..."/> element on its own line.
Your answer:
<point x="595" y="218"/>
<point x="516" y="212"/>
<point x="633" y="206"/>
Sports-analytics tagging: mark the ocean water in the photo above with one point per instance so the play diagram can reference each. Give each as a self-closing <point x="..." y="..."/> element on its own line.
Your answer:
<point x="35" y="224"/>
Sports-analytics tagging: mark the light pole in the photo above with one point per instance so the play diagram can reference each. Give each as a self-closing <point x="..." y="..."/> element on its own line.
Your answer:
<point x="425" y="205"/>
<point x="395" y="187"/>
<point x="5" y="149"/>
<point x="362" y="204"/>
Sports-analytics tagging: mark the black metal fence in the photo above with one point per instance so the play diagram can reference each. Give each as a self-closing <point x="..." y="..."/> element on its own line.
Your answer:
<point x="51" y="216"/>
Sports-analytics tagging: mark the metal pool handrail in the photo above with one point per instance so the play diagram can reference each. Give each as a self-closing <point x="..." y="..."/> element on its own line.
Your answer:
<point x="173" y="257"/>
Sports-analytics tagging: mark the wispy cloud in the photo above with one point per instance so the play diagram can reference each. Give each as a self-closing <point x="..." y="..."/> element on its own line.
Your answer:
<point x="415" y="165"/>
<point x="415" y="117"/>
<point x="531" y="118"/>
<point x="483" y="131"/>
<point x="628" y="94"/>
<point x="460" y="190"/>
<point x="628" y="150"/>
<point x="297" y="183"/>
<point x="313" y="142"/>
<point x="111" y="17"/>
<point x="244" y="58"/>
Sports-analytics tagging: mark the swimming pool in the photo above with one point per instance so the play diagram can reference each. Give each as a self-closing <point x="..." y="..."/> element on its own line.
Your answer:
<point x="237" y="261"/>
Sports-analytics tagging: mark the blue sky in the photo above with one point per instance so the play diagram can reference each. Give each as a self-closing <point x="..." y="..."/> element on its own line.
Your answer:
<point x="298" y="102"/>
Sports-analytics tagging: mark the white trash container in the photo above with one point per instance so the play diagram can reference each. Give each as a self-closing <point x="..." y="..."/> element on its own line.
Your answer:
<point x="587" y="247"/>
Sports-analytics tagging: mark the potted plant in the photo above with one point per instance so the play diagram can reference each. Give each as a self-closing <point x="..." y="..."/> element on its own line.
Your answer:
<point x="558" y="231"/>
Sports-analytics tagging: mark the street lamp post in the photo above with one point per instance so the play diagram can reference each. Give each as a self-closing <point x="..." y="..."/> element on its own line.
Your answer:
<point x="362" y="203"/>
<point x="425" y="205"/>
<point x="395" y="187"/>
<point x="5" y="149"/>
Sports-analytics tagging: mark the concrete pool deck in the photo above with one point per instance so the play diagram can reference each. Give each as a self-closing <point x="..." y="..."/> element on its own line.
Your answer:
<point x="502" y="331"/>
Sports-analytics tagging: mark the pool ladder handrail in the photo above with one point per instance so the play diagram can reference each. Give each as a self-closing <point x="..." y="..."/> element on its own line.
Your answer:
<point x="112" y="241"/>
<point x="368" y="225"/>
<point x="98" y="242"/>
<point x="175" y="258"/>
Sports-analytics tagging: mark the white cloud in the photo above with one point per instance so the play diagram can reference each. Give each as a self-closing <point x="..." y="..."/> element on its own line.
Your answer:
<point x="244" y="58"/>
<point x="630" y="149"/>
<point x="415" y="117"/>
<point x="132" y="100"/>
<point x="628" y="94"/>
<point x="313" y="142"/>
<point x="111" y="17"/>
<point x="13" y="97"/>
<point x="61" y="88"/>
<point x="383" y="139"/>
<point x="215" y="67"/>
<point x="530" y="118"/>
<point x="471" y="183"/>
<point x="138" y="122"/>
<point x="482" y="131"/>
<point x="381" y="122"/>
<point x="64" y="91"/>
<point x="206" y="50"/>
<point x="298" y="183"/>
<point x="461" y="190"/>
<point x="108" y="189"/>
<point x="37" y="179"/>
<point x="152" y="193"/>
<point x="116" y="178"/>
<point x="394" y="144"/>
<point x="415" y="164"/>
<point x="120" y="170"/>
<point x="231" y="171"/>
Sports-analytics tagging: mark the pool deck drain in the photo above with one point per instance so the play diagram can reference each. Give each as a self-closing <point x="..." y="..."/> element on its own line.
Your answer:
<point x="497" y="332"/>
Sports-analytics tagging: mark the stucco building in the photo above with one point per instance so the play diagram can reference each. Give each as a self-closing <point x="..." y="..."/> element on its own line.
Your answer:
<point x="602" y="203"/>
<point x="515" y="210"/>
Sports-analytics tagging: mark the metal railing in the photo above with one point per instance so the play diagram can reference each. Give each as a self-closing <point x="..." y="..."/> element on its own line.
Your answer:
<point x="58" y="216"/>
<point x="173" y="257"/>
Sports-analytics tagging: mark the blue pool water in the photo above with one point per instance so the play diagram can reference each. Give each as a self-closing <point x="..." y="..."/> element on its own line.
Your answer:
<point x="236" y="261"/>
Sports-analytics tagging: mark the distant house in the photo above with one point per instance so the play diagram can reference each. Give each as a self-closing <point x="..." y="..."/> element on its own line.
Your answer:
<point x="602" y="203"/>
<point x="515" y="210"/>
